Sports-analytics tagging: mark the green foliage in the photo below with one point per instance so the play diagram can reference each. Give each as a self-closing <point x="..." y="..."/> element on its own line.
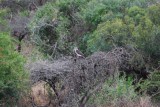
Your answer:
<point x="3" y="22"/>
<point x="146" y="34"/>
<point x="12" y="75"/>
<point x="43" y="31"/>
<point x="152" y="85"/>
<point x="106" y="21"/>
<point x="96" y="11"/>
<point x="154" y="13"/>
<point x="92" y="12"/>
<point x="67" y="6"/>
<point x="24" y="13"/>
<point x="53" y="26"/>
<point x="99" y="25"/>
<point x="2" y="14"/>
<point x="136" y="13"/>
<point x="135" y="29"/>
<point x="142" y="32"/>
<point x="115" y="90"/>
<point x="108" y="35"/>
<point x="43" y="14"/>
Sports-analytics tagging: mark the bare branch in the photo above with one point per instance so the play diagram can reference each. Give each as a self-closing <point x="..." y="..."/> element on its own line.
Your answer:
<point x="79" y="78"/>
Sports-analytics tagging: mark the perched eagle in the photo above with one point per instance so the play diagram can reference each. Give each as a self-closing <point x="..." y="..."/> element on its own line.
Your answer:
<point x="78" y="53"/>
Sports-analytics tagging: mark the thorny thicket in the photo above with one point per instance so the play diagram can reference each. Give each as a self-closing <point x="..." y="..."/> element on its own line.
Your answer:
<point x="79" y="78"/>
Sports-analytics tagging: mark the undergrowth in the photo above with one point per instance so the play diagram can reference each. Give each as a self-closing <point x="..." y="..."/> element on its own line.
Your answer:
<point x="119" y="92"/>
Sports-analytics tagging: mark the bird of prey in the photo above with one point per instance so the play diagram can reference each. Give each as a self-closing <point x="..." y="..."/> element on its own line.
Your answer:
<point x="78" y="53"/>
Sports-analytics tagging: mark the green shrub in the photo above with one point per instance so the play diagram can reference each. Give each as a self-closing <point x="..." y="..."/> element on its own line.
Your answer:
<point x="95" y="11"/>
<point x="68" y="6"/>
<point x="114" y="91"/>
<point x="136" y="13"/>
<point x="146" y="36"/>
<point x="135" y="29"/>
<point x="152" y="85"/>
<point x="102" y="25"/>
<point x="43" y="33"/>
<point x="3" y="22"/>
<point x="92" y="12"/>
<point x="54" y="26"/>
<point x="108" y="35"/>
<point x="12" y="74"/>
<point x="154" y="13"/>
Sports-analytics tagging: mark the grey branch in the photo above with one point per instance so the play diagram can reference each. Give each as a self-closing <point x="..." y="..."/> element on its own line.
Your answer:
<point x="80" y="78"/>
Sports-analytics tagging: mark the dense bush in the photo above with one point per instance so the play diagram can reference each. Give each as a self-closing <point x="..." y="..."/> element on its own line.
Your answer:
<point x="99" y="25"/>
<point x="91" y="25"/>
<point x="151" y="86"/>
<point x="108" y="35"/>
<point x="58" y="31"/>
<point x="3" y="14"/>
<point x="135" y="29"/>
<point x="96" y="11"/>
<point x="116" y="92"/>
<point x="43" y="31"/>
<point x="136" y="13"/>
<point x="61" y="24"/>
<point x="153" y="13"/>
<point x="12" y="74"/>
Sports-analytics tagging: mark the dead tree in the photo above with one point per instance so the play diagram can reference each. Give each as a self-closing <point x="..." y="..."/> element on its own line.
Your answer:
<point x="20" y="36"/>
<point x="41" y="2"/>
<point x="19" y="29"/>
<point x="32" y="7"/>
<point x="79" y="79"/>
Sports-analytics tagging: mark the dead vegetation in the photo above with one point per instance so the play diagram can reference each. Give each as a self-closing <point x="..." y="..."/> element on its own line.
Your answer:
<point x="142" y="102"/>
<point x="74" y="80"/>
